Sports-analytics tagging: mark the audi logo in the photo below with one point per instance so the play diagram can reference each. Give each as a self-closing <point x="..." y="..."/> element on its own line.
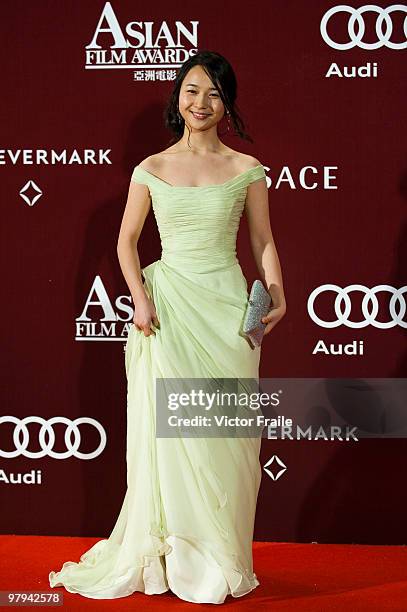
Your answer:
<point x="383" y="17"/>
<point x="370" y="306"/>
<point x="46" y="447"/>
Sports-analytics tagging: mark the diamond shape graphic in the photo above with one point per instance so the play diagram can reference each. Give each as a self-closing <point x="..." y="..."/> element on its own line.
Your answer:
<point x="275" y="460"/>
<point x="34" y="194"/>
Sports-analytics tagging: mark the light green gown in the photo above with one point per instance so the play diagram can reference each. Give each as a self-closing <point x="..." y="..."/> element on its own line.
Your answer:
<point x="187" y="519"/>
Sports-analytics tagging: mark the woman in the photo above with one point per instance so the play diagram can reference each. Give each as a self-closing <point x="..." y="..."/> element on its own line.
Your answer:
<point x="186" y="523"/>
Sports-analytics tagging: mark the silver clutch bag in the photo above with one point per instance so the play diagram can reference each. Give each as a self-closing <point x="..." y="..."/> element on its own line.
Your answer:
<point x="257" y="307"/>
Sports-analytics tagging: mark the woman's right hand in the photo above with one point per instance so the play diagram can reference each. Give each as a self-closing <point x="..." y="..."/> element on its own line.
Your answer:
<point x="144" y="315"/>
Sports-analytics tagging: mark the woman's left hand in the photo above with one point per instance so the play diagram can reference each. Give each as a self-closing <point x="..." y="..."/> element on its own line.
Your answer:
<point x="273" y="317"/>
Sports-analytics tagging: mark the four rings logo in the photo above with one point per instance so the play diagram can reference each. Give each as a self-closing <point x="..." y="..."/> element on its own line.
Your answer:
<point x="47" y="447"/>
<point x="383" y="34"/>
<point x="370" y="306"/>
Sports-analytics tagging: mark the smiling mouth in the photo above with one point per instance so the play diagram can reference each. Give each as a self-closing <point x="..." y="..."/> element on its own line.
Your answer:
<point x="200" y="115"/>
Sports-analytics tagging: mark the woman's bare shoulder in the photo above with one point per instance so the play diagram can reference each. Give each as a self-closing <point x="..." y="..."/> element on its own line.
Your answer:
<point x="157" y="161"/>
<point x="152" y="163"/>
<point x="243" y="161"/>
<point x="248" y="161"/>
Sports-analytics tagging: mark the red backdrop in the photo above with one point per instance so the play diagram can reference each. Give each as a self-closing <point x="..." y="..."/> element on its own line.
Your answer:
<point x="77" y="115"/>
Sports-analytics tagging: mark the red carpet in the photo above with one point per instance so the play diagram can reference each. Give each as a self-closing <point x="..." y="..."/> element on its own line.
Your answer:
<point x="309" y="577"/>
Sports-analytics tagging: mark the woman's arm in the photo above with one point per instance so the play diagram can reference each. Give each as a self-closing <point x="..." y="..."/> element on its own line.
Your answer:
<point x="134" y="216"/>
<point x="264" y="249"/>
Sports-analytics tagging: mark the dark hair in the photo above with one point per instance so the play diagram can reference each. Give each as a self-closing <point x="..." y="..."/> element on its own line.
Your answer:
<point x="223" y="77"/>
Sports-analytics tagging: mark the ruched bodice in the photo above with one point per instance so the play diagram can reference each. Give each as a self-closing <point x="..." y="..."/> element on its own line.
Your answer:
<point x="198" y="225"/>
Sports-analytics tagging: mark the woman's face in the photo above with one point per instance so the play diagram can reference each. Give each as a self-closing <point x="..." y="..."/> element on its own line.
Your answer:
<point x="199" y="101"/>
